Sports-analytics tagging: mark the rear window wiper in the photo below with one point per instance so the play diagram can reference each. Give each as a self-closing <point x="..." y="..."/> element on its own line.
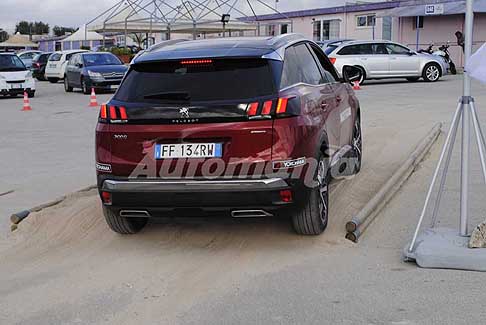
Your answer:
<point x="175" y="96"/>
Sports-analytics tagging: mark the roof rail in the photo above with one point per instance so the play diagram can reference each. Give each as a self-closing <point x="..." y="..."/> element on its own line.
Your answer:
<point x="163" y="44"/>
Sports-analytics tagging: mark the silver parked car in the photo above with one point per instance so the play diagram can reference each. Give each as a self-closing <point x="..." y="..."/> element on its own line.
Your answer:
<point x="385" y="59"/>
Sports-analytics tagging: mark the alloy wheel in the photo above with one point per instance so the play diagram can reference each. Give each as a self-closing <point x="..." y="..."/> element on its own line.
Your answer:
<point x="323" y="187"/>
<point x="432" y="73"/>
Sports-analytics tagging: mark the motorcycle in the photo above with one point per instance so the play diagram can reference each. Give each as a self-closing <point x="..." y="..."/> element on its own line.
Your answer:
<point x="428" y="50"/>
<point x="443" y="51"/>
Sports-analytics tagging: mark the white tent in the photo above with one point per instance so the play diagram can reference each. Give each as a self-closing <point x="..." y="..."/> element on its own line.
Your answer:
<point x="82" y="37"/>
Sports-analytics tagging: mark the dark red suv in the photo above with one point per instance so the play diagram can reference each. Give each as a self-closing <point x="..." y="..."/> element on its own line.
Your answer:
<point x="250" y="127"/>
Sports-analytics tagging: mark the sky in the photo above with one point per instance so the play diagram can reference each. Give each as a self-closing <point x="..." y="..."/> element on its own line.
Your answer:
<point x="73" y="13"/>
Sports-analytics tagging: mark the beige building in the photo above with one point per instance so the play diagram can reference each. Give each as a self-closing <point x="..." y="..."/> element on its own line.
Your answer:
<point x="415" y="23"/>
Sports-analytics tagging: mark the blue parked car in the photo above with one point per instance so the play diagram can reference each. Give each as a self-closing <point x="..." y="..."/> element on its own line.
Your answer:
<point x="99" y="70"/>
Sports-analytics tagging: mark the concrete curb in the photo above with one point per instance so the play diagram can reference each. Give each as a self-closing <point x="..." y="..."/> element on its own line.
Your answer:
<point x="365" y="217"/>
<point x="18" y="217"/>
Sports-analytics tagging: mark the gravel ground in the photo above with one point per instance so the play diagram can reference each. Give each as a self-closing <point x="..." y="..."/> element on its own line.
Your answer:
<point x="63" y="265"/>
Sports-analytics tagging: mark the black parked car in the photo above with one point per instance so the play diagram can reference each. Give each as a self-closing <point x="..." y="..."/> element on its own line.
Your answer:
<point x="39" y="63"/>
<point x="100" y="70"/>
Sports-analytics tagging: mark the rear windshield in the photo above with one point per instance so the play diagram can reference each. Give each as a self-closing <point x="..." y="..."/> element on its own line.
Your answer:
<point x="55" y="57"/>
<point x="42" y="58"/>
<point x="179" y="81"/>
<point x="11" y="63"/>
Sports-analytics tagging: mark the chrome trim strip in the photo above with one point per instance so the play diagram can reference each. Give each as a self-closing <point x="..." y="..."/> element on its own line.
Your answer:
<point x="194" y="185"/>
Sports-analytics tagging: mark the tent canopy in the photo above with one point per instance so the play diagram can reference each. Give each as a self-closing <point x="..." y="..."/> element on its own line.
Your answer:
<point x="82" y="35"/>
<point x="428" y="7"/>
<point x="18" y="41"/>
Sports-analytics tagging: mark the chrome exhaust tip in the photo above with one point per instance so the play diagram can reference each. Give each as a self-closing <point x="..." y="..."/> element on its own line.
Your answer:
<point x="250" y="214"/>
<point x="134" y="214"/>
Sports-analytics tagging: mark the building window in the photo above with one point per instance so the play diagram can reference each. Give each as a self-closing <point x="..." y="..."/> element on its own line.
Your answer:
<point x="387" y="28"/>
<point x="284" y="29"/>
<point x="365" y="21"/>
<point x="420" y="22"/>
<point x="271" y="30"/>
<point x="316" y="35"/>
<point x="326" y="29"/>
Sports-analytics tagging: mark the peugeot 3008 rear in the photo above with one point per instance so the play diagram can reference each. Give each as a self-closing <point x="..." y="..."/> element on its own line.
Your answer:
<point x="208" y="127"/>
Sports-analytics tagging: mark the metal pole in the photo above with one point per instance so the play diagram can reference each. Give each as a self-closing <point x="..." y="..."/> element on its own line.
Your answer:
<point x="126" y="33"/>
<point x="444" y="174"/>
<point x="481" y="135"/>
<point x="466" y="119"/>
<point x="418" y="32"/>
<point x="455" y="121"/>
<point x="479" y="138"/>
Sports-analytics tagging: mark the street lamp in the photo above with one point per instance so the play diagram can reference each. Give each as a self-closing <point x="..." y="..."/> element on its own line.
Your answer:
<point x="225" y="18"/>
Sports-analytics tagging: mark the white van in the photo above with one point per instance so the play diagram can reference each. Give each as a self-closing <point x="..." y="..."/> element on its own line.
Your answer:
<point x="57" y="63"/>
<point x="15" y="78"/>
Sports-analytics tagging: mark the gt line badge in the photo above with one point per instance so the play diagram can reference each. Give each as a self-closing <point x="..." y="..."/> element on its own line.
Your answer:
<point x="289" y="163"/>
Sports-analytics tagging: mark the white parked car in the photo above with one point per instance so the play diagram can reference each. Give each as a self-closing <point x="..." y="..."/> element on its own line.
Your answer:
<point x="27" y="57"/>
<point x="57" y="63"/>
<point x="15" y="78"/>
<point x="385" y="59"/>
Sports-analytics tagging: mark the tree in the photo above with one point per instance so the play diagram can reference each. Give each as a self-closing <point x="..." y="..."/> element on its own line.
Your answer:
<point x="3" y="35"/>
<point x="61" y="31"/>
<point x="32" y="28"/>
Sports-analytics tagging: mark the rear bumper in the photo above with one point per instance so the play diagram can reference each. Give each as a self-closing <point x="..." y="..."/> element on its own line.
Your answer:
<point x="166" y="198"/>
<point x="195" y="185"/>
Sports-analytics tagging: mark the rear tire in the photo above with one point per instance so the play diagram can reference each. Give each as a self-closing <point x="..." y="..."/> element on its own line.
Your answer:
<point x="53" y="80"/>
<point x="67" y="88"/>
<point x="121" y="225"/>
<point x="431" y="72"/>
<point x="452" y="67"/>
<point x="31" y="94"/>
<point x="313" y="217"/>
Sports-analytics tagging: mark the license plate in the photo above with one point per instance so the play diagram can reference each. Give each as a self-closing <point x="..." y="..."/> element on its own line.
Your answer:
<point x="114" y="87"/>
<point x="52" y="65"/>
<point x="189" y="150"/>
<point x="16" y="86"/>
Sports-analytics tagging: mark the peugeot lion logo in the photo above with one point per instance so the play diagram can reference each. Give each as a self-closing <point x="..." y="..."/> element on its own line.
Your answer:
<point x="184" y="111"/>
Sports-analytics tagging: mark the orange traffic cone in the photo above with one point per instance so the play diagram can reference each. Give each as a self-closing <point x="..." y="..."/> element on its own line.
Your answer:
<point x="356" y="85"/>
<point x="26" y="103"/>
<point x="93" y="102"/>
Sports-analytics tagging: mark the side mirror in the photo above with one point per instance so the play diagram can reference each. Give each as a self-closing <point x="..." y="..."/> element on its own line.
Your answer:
<point x="411" y="53"/>
<point x="79" y="65"/>
<point x="351" y="74"/>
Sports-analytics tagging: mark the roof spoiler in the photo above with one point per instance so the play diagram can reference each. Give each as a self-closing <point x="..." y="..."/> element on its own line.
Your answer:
<point x="163" y="44"/>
